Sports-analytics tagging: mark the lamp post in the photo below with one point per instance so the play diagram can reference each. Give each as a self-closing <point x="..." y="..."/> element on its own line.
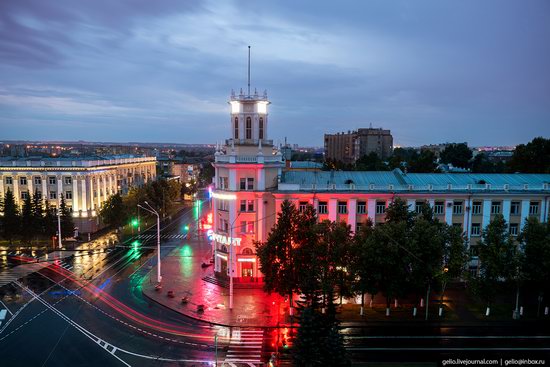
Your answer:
<point x="59" y="227"/>
<point x="153" y="211"/>
<point x="231" y="255"/>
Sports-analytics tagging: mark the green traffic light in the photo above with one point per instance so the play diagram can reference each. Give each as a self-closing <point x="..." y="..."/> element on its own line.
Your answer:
<point x="134" y="222"/>
<point x="135" y="244"/>
<point x="186" y="228"/>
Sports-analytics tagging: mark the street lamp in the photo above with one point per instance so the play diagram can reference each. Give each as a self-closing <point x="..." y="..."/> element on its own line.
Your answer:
<point x="59" y="226"/>
<point x="153" y="211"/>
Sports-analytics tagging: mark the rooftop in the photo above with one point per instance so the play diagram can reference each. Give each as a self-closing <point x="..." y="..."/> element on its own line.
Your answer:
<point x="78" y="161"/>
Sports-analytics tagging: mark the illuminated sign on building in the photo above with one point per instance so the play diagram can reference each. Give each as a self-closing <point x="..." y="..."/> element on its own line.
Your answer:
<point x="220" y="238"/>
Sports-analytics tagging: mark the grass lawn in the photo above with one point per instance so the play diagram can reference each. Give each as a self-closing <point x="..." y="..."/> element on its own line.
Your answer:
<point x="350" y="313"/>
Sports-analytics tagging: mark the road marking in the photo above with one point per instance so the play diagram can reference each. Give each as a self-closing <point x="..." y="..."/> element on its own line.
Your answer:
<point x="11" y="313"/>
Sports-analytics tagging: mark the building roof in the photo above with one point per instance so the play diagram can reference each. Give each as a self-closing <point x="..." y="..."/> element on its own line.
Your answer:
<point x="77" y="161"/>
<point x="396" y="180"/>
<point x="305" y="165"/>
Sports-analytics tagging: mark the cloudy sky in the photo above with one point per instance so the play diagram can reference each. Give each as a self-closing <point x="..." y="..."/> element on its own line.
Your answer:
<point x="162" y="71"/>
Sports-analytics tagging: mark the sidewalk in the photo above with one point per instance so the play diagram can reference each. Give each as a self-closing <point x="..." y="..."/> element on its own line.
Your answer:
<point x="182" y="273"/>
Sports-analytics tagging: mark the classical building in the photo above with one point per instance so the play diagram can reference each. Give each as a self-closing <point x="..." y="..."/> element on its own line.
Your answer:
<point x="251" y="183"/>
<point x="349" y="147"/>
<point x="84" y="182"/>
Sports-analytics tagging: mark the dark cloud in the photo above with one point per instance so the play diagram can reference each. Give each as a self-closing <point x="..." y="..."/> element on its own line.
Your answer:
<point x="431" y="71"/>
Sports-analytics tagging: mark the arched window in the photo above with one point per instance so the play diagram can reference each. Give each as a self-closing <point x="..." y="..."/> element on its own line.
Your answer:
<point x="224" y="248"/>
<point x="248" y="128"/>
<point x="261" y="128"/>
<point x="236" y="127"/>
<point x="247" y="251"/>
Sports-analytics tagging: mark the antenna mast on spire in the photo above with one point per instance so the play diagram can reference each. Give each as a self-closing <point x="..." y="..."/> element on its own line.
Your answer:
<point x="249" y="70"/>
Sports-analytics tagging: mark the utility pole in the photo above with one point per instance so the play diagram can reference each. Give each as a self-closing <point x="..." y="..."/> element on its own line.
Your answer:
<point x="59" y="227"/>
<point x="153" y="211"/>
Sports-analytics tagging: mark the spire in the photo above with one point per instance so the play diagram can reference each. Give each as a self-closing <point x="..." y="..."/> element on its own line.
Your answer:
<point x="249" y="70"/>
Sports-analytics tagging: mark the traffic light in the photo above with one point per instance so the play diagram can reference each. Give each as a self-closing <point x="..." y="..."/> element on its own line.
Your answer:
<point x="135" y="244"/>
<point x="134" y="222"/>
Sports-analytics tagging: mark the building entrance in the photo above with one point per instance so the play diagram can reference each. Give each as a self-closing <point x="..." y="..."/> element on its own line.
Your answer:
<point x="246" y="272"/>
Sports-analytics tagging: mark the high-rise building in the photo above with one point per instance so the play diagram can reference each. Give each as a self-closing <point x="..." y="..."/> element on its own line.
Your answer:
<point x="349" y="147"/>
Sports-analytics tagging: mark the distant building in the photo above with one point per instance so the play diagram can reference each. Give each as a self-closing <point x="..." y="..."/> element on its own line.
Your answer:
<point x="349" y="147"/>
<point x="86" y="182"/>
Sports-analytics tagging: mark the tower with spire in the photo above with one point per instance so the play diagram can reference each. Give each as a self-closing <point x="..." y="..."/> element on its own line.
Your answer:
<point x="247" y="166"/>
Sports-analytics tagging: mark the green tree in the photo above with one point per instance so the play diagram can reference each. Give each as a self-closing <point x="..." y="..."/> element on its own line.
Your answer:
<point x="370" y="162"/>
<point x="37" y="215"/>
<point x="401" y="157"/>
<point x="276" y="255"/>
<point x="458" y="155"/>
<point x="113" y="212"/>
<point x="482" y="164"/>
<point x="11" y="220"/>
<point x="535" y="243"/>
<point x="206" y="174"/>
<point x="50" y="220"/>
<point x="455" y="257"/>
<point x="497" y="256"/>
<point x="533" y="157"/>
<point x="27" y="228"/>
<point x="67" y="224"/>
<point x="423" y="162"/>
<point x="362" y="264"/>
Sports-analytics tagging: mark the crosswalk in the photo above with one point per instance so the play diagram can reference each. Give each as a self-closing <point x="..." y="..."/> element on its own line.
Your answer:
<point x="165" y="236"/>
<point x="245" y="348"/>
<point x="18" y="272"/>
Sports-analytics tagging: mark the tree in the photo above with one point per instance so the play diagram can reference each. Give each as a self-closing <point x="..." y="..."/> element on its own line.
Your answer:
<point x="37" y="215"/>
<point x="370" y="162"/>
<point x="11" y="220"/>
<point x="534" y="157"/>
<point x="27" y="229"/>
<point x="67" y="224"/>
<point x="50" y="220"/>
<point x="535" y="243"/>
<point x="455" y="257"/>
<point x="362" y="264"/>
<point x="401" y="157"/>
<point x="206" y="174"/>
<point x="423" y="162"/>
<point x="276" y="255"/>
<point x="458" y="155"/>
<point x="482" y="164"/>
<point x="113" y="212"/>
<point x="497" y="256"/>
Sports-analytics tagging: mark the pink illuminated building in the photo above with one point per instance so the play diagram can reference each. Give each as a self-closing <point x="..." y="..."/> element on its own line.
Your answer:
<point x="251" y="182"/>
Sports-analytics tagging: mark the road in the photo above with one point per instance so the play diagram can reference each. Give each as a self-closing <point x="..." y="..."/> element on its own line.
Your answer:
<point x="88" y="310"/>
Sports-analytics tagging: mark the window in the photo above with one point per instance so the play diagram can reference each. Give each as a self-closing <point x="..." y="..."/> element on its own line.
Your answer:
<point x="236" y="128"/>
<point x="38" y="180"/>
<point x="358" y="226"/>
<point x="223" y="225"/>
<point x="243" y="226"/>
<point x="51" y="180"/>
<point x="513" y="229"/>
<point x="514" y="208"/>
<point x="223" y="183"/>
<point x="439" y="207"/>
<point x="380" y="207"/>
<point x="342" y="207"/>
<point x="419" y="205"/>
<point x="243" y="205"/>
<point x="261" y="128"/>
<point x="250" y="205"/>
<point x="22" y="180"/>
<point x="250" y="183"/>
<point x="302" y="206"/>
<point x="242" y="183"/>
<point x="248" y="129"/>
<point x="223" y="205"/>
<point x="53" y="195"/>
<point x="95" y="193"/>
<point x="361" y="207"/>
<point x="474" y="251"/>
<point x="457" y="207"/>
<point x="476" y="229"/>
<point x="476" y="208"/>
<point x="534" y="208"/>
<point x="69" y="180"/>
<point x="495" y="207"/>
<point x="9" y="180"/>
<point x="247" y="251"/>
<point x="39" y="194"/>
<point x="250" y="227"/>
<point x="24" y="195"/>
<point x="322" y="208"/>
<point x="68" y="194"/>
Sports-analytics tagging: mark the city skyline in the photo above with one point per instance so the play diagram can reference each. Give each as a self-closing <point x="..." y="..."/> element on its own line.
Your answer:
<point x="152" y="73"/>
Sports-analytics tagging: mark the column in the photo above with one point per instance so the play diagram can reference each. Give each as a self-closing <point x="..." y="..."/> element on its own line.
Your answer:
<point x="431" y="202"/>
<point x="506" y="205"/>
<point x="105" y="193"/>
<point x="371" y="209"/>
<point x="468" y="219"/>
<point x="92" y="188"/>
<point x="45" y="193"/>
<point x="449" y="211"/>
<point x="260" y="177"/>
<point x="98" y="185"/>
<point x="30" y="185"/>
<point x="486" y="218"/>
<point x="411" y="203"/>
<point x="524" y="213"/>
<point x="332" y="203"/>
<point x="16" y="194"/>
<point x="84" y="193"/>
<point x="112" y="187"/>
<point x="2" y="180"/>
<point x="352" y="216"/>
<point x="59" y="180"/>
<point x="76" y="205"/>
<point x="260" y="222"/>
<point x="232" y="180"/>
<point x="543" y="206"/>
